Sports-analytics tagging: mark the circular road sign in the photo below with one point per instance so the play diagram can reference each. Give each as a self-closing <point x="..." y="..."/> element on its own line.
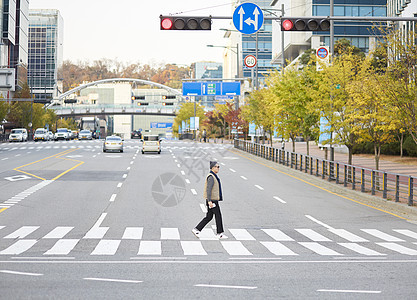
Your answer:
<point x="248" y="18"/>
<point x="250" y="61"/>
<point x="322" y="52"/>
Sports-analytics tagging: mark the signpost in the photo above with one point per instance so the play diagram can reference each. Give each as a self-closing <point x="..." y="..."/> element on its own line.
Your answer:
<point x="322" y="54"/>
<point x="248" y="18"/>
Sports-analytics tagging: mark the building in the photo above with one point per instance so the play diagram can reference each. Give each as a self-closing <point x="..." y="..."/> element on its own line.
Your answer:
<point x="45" y="53"/>
<point x="206" y="69"/>
<point x="360" y="34"/>
<point x="14" y="44"/>
<point x="403" y="8"/>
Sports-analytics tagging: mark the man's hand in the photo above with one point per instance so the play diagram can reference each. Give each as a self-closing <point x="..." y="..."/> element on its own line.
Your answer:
<point x="210" y="204"/>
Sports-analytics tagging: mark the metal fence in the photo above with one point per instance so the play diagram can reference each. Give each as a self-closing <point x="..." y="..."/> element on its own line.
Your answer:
<point x="391" y="186"/>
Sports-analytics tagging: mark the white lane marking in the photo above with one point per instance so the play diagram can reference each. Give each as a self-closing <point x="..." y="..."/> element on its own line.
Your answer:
<point x="312" y="235"/>
<point x="58" y="232"/>
<point x="223" y="164"/>
<point x="106" y="247"/>
<point x="187" y="181"/>
<point x="259" y="187"/>
<point x="5" y="158"/>
<point x="193" y="248"/>
<point x="360" y="249"/>
<point x="319" y="249"/>
<point x="277" y="235"/>
<point x="183" y="173"/>
<point x="235" y="248"/>
<point x="170" y="234"/>
<point x="383" y="236"/>
<point x="232" y="170"/>
<point x="398" y="248"/>
<point x="279" y="199"/>
<point x="17" y="177"/>
<point x="128" y="168"/>
<point x="112" y="280"/>
<point x="278" y="249"/>
<point x="20" y="273"/>
<point x="176" y="160"/>
<point x="243" y="177"/>
<point x="96" y="233"/>
<point x="1" y="227"/>
<point x="131" y="162"/>
<point x="194" y="191"/>
<point x="178" y="165"/>
<point x="62" y="247"/>
<point x="407" y="232"/>
<point x="18" y="247"/>
<point x="319" y="222"/>
<point x="124" y="175"/>
<point x="133" y="233"/>
<point x="113" y="197"/>
<point x="227" y="286"/>
<point x="203" y="208"/>
<point x="349" y="291"/>
<point x="22" y="232"/>
<point x="348" y="235"/>
<point x="119" y="184"/>
<point x="100" y="220"/>
<point x="150" y="248"/>
<point x="241" y="235"/>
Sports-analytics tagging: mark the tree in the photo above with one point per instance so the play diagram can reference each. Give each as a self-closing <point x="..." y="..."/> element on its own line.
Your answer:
<point x="186" y="112"/>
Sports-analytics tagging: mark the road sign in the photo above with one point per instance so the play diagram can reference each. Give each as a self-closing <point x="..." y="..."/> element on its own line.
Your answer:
<point x="322" y="52"/>
<point x="250" y="61"/>
<point x="248" y="18"/>
<point x="211" y="88"/>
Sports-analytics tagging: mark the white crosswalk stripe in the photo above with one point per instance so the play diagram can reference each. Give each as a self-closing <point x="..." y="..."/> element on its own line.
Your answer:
<point x="242" y="242"/>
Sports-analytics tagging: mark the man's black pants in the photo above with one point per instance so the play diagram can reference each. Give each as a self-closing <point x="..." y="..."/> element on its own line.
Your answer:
<point x="210" y="212"/>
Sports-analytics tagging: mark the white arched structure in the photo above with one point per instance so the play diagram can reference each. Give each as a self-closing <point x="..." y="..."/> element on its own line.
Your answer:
<point x="114" y="80"/>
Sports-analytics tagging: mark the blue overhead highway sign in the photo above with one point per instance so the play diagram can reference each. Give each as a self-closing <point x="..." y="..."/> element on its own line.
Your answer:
<point x="211" y="88"/>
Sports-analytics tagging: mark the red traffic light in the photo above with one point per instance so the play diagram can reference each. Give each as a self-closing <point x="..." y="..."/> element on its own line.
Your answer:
<point x="287" y="25"/>
<point x="166" y="24"/>
<point x="185" y="23"/>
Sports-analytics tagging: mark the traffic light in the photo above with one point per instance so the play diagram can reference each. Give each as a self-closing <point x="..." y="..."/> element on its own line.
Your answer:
<point x="185" y="23"/>
<point x="169" y="97"/>
<point x="167" y="103"/>
<point x="138" y="97"/>
<point x="305" y="24"/>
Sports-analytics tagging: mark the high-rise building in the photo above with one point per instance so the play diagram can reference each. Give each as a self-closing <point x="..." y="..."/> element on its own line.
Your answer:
<point x="14" y="46"/>
<point x="403" y="8"/>
<point x="206" y="69"/>
<point x="45" y="53"/>
<point x="360" y="34"/>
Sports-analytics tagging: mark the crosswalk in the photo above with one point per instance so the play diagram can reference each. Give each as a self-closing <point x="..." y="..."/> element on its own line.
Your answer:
<point x="264" y="242"/>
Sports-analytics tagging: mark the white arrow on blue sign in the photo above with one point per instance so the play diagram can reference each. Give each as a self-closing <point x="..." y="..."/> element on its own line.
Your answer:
<point x="248" y="18"/>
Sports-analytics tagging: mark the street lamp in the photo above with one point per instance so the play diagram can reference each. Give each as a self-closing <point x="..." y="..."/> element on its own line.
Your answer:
<point x="236" y="52"/>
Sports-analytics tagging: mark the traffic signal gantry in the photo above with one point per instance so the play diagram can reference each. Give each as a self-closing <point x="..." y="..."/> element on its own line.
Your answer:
<point x="305" y="24"/>
<point x="185" y="23"/>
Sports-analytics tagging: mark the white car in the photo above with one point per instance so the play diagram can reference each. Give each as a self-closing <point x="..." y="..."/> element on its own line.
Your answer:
<point x="41" y="134"/>
<point x="151" y="146"/>
<point x="113" y="143"/>
<point x="62" y="134"/>
<point x="85" y="135"/>
<point x="18" y="135"/>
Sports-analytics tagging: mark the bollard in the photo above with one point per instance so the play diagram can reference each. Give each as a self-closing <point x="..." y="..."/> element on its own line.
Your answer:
<point x="317" y="167"/>
<point x="311" y="166"/>
<point x="323" y="169"/>
<point x="373" y="183"/>
<point x="362" y="180"/>
<point x="397" y="188"/>
<point x="384" y="193"/>
<point x="345" y="177"/>
<point x="353" y="178"/>
<point x="410" y="191"/>
<point x="337" y="173"/>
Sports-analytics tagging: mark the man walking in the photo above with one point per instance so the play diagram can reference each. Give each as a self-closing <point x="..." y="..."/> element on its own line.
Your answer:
<point x="212" y="194"/>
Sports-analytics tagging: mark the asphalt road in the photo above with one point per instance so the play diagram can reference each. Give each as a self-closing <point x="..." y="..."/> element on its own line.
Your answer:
<point x="77" y="223"/>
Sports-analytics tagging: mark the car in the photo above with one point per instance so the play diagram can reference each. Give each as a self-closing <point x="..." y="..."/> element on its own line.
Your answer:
<point x="85" y="135"/>
<point x="51" y="135"/>
<point x="18" y="135"/>
<point x="151" y="146"/>
<point x="73" y="134"/>
<point x="41" y="134"/>
<point x="113" y="143"/>
<point x="62" y="134"/>
<point x="136" y="134"/>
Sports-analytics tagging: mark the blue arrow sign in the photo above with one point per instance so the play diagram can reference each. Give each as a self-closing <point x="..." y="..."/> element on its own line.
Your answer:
<point x="211" y="88"/>
<point x="248" y="18"/>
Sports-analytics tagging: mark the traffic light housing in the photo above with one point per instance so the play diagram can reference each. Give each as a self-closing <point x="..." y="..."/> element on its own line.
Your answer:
<point x="185" y="23"/>
<point x="305" y="24"/>
<point x="169" y="97"/>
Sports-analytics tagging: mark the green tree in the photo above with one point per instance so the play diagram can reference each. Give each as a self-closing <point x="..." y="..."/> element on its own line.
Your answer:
<point x="186" y="112"/>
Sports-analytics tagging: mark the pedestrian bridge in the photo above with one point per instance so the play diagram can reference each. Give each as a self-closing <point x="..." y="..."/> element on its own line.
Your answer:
<point x="116" y="109"/>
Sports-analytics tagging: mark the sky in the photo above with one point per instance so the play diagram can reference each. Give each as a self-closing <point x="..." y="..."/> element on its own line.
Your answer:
<point x="129" y="30"/>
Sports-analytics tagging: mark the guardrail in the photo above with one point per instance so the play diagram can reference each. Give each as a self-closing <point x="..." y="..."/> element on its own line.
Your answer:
<point x="391" y="186"/>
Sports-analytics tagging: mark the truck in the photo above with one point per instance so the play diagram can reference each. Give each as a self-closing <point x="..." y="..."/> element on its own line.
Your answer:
<point x="92" y="124"/>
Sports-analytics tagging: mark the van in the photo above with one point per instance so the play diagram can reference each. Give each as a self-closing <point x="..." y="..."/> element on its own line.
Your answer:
<point x="18" y="135"/>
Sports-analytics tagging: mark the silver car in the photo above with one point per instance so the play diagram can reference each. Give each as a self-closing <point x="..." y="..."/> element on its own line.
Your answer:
<point x="85" y="135"/>
<point x="113" y="143"/>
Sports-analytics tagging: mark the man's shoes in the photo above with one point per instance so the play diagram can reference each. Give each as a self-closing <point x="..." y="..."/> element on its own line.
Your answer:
<point x="222" y="236"/>
<point x="196" y="232"/>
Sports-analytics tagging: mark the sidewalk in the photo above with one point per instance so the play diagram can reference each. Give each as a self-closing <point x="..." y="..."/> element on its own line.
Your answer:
<point x="388" y="163"/>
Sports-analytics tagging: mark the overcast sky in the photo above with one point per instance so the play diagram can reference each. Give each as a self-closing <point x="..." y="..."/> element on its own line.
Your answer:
<point x="129" y="30"/>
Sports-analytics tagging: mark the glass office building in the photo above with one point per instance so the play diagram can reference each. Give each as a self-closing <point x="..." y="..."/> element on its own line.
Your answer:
<point x="45" y="53"/>
<point x="360" y="34"/>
